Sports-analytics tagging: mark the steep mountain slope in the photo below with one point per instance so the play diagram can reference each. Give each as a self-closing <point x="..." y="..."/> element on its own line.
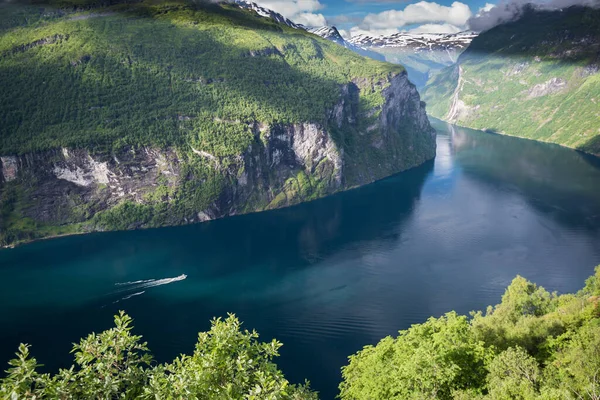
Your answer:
<point x="423" y="55"/>
<point x="538" y="78"/>
<point x="267" y="13"/>
<point x="331" y="33"/>
<point x="150" y="113"/>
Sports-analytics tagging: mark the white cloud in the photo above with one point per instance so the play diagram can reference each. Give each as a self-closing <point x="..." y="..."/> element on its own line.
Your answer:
<point x="345" y="34"/>
<point x="486" y="8"/>
<point x="435" y="28"/>
<point x="310" y="19"/>
<point x="510" y="10"/>
<point x="422" y="12"/>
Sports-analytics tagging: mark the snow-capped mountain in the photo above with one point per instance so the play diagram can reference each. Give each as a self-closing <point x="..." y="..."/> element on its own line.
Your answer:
<point x="416" y="41"/>
<point x="422" y="54"/>
<point x="329" y="33"/>
<point x="267" y="13"/>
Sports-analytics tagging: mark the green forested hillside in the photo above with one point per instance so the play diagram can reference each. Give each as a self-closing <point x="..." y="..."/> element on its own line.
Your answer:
<point x="161" y="73"/>
<point x="132" y="114"/>
<point x="538" y="78"/>
<point x="533" y="345"/>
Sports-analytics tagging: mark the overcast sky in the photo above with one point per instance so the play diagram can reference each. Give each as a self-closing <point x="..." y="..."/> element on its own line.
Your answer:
<point x="383" y="17"/>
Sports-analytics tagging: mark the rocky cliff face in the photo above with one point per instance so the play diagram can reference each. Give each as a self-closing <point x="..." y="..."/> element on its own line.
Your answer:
<point x="73" y="190"/>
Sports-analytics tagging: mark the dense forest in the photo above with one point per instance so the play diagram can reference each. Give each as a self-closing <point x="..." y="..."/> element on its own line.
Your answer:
<point x="97" y="77"/>
<point x="533" y="345"/>
<point x="171" y="103"/>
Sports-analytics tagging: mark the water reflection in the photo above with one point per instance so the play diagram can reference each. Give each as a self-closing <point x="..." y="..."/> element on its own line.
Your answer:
<point x="555" y="180"/>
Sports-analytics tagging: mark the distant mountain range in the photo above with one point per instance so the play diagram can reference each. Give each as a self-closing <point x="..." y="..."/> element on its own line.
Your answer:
<point x="422" y="54"/>
<point x="331" y="33"/>
<point x="417" y="41"/>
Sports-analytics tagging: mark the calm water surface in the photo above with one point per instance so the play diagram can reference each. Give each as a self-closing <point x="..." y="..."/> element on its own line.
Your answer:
<point x="326" y="277"/>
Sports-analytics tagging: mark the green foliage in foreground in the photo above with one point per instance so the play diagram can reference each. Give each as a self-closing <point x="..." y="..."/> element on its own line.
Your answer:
<point x="533" y="345"/>
<point x="227" y="363"/>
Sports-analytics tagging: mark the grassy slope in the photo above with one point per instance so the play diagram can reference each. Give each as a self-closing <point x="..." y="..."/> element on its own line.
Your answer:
<point x="502" y="65"/>
<point x="129" y="74"/>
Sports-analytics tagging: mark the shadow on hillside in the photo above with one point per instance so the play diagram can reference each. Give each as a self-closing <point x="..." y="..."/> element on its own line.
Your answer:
<point x="551" y="35"/>
<point x="116" y="81"/>
<point x="591" y="146"/>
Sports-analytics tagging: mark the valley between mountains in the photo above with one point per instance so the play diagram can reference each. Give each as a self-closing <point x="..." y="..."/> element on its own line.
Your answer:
<point x="399" y="194"/>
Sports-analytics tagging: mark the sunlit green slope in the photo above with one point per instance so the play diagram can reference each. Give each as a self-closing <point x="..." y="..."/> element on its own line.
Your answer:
<point x="136" y="73"/>
<point x="538" y="78"/>
<point x="132" y="114"/>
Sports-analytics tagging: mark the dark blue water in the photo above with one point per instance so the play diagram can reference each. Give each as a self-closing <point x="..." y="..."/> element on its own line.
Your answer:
<point x="326" y="277"/>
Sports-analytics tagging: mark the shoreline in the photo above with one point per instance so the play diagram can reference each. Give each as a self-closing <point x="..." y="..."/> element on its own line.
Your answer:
<point x="487" y="130"/>
<point x="350" y="188"/>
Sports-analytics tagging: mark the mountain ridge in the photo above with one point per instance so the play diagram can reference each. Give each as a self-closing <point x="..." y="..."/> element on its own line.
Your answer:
<point x="417" y="41"/>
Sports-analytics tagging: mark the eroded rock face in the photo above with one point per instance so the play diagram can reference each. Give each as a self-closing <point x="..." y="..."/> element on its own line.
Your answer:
<point x="403" y="105"/>
<point x="306" y="146"/>
<point x="10" y="168"/>
<point x="284" y="165"/>
<point x="551" y="86"/>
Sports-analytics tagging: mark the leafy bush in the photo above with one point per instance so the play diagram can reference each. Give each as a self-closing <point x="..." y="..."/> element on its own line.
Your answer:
<point x="228" y="363"/>
<point x="533" y="345"/>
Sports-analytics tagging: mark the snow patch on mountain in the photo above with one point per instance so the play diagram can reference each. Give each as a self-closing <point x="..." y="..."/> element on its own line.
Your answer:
<point x="416" y="41"/>
<point x="267" y="13"/>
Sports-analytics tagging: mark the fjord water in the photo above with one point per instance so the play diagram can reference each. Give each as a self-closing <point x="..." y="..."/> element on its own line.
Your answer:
<point x="325" y="277"/>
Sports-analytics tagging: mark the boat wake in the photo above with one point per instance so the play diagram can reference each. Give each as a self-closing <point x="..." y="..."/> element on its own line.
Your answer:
<point x="148" y="283"/>
<point x="139" y="287"/>
<point x="130" y="296"/>
<point x="133" y="282"/>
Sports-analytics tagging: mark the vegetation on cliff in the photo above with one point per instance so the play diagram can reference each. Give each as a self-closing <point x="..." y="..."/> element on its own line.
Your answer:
<point x="211" y="93"/>
<point x="533" y="345"/>
<point x="537" y="78"/>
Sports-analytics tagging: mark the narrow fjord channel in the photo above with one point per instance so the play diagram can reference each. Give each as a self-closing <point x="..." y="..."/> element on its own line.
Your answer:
<point x="325" y="277"/>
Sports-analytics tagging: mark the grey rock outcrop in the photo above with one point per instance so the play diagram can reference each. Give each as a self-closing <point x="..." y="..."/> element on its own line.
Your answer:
<point x="9" y="167"/>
